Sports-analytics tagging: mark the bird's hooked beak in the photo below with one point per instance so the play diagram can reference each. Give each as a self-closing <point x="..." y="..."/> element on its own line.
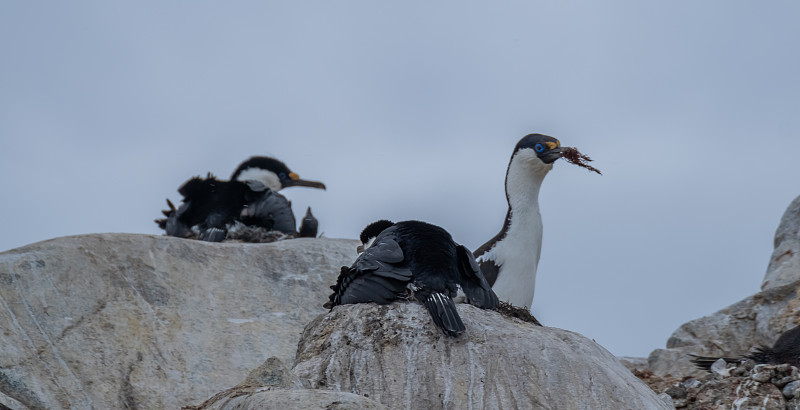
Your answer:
<point x="552" y="155"/>
<point x="294" y="180"/>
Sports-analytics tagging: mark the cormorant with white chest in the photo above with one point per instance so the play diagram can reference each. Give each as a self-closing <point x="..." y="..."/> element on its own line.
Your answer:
<point x="413" y="258"/>
<point x="212" y="207"/>
<point x="509" y="260"/>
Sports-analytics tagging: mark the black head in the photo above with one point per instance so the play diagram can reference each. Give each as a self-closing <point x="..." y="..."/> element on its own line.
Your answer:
<point x="272" y="173"/>
<point x="374" y="229"/>
<point x="547" y="148"/>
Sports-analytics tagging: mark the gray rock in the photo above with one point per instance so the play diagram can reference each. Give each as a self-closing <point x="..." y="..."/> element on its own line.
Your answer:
<point x="780" y="383"/>
<point x="720" y="368"/>
<point x="144" y="321"/>
<point x="730" y="332"/>
<point x="691" y="383"/>
<point x="762" y="374"/>
<point x="273" y="386"/>
<point x="296" y="400"/>
<point x="272" y="373"/>
<point x="633" y="363"/>
<point x="396" y="356"/>
<point x="790" y="390"/>
<point x="784" y="265"/>
<point x="666" y="399"/>
<point x="756" y="320"/>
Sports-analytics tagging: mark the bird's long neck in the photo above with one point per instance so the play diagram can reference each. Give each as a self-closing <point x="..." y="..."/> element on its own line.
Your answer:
<point x="523" y="181"/>
<point x="518" y="252"/>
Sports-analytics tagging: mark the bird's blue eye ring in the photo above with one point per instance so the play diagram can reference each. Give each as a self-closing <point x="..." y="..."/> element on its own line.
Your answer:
<point x="538" y="147"/>
<point x="282" y="175"/>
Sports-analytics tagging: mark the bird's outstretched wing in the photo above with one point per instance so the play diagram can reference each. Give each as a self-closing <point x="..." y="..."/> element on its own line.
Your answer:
<point x="375" y="276"/>
<point x="473" y="283"/>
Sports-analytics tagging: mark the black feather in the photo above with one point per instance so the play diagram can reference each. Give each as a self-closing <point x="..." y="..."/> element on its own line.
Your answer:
<point x="473" y="282"/>
<point x="444" y="314"/>
<point x="416" y="258"/>
<point x="308" y="226"/>
<point x="705" y="362"/>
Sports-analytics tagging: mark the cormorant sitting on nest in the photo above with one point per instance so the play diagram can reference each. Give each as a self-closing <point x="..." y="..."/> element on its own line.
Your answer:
<point x="213" y="208"/>
<point x="413" y="259"/>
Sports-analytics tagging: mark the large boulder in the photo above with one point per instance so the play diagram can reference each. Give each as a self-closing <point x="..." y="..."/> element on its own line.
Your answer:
<point x="784" y="265"/>
<point x="732" y="331"/>
<point x="753" y="321"/>
<point x="395" y="355"/>
<point x="143" y="321"/>
<point x="273" y="386"/>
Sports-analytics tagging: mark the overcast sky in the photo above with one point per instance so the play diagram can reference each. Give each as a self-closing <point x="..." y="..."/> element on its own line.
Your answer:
<point x="410" y="110"/>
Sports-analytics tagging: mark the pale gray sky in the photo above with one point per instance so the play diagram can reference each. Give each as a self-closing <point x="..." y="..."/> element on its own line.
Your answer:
<point x="410" y="110"/>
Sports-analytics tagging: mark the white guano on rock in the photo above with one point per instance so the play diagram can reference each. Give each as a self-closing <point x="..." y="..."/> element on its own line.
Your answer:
<point x="396" y="356"/>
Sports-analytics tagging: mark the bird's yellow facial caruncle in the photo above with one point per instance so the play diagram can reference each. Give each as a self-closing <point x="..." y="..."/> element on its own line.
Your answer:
<point x="540" y="147"/>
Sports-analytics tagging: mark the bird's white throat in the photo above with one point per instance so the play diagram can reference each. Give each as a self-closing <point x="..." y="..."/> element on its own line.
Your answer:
<point x="518" y="252"/>
<point x="263" y="176"/>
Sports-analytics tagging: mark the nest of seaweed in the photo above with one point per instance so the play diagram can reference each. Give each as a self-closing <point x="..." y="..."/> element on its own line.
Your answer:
<point x="523" y="314"/>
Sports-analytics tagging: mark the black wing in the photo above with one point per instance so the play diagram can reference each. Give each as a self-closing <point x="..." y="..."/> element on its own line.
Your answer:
<point x="210" y="202"/>
<point x="785" y="350"/>
<point x="377" y="276"/>
<point x="172" y="224"/>
<point x="473" y="282"/>
<point x="269" y="210"/>
<point x="488" y="267"/>
<point x="489" y="270"/>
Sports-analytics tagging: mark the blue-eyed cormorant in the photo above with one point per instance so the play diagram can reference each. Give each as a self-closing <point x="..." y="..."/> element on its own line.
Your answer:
<point x="509" y="260"/>
<point x="413" y="258"/>
<point x="211" y="207"/>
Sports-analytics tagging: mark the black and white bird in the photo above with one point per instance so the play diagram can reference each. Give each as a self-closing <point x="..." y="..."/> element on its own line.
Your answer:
<point x="509" y="260"/>
<point x="413" y="259"/>
<point x="785" y="350"/>
<point x="212" y="207"/>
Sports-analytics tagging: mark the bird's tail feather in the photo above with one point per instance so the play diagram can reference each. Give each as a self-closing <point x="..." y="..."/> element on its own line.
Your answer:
<point x="764" y="354"/>
<point x="705" y="362"/>
<point x="213" y="235"/>
<point x="444" y="314"/>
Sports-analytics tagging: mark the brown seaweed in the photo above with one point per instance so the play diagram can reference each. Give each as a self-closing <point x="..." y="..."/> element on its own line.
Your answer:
<point x="523" y="314"/>
<point x="574" y="156"/>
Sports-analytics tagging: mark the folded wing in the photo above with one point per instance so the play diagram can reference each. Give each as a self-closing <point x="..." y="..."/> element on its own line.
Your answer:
<point x="376" y="276"/>
<point x="473" y="283"/>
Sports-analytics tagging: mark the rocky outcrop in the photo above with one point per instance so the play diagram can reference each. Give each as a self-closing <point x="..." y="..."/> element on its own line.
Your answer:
<point x="273" y="386"/>
<point x="396" y="356"/>
<point x="370" y="356"/>
<point x="734" y="330"/>
<point x="784" y="265"/>
<point x="143" y="321"/>
<point x="756" y="320"/>
<point x="738" y="386"/>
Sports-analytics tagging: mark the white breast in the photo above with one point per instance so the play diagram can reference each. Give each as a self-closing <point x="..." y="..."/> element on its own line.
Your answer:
<point x="518" y="256"/>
